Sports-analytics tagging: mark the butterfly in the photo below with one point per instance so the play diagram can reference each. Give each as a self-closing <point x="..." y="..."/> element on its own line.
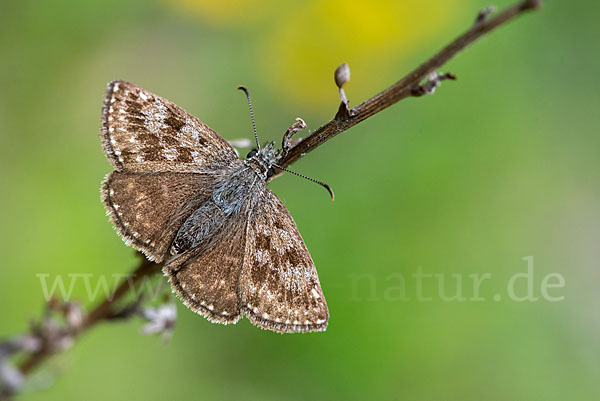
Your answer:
<point x="180" y="195"/>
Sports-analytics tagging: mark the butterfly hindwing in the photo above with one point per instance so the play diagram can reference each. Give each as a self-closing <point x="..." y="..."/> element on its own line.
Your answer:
<point x="147" y="209"/>
<point x="279" y="288"/>
<point x="206" y="278"/>
<point x="145" y="132"/>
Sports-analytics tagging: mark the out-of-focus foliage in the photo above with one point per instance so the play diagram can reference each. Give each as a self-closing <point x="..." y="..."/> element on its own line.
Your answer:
<point x="500" y="165"/>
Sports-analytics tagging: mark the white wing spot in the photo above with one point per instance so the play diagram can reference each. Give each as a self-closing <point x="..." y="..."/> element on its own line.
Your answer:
<point x="196" y="156"/>
<point x="155" y="114"/>
<point x="170" y="153"/>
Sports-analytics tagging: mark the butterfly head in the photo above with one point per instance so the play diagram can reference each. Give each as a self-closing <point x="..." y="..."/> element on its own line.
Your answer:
<point x="264" y="158"/>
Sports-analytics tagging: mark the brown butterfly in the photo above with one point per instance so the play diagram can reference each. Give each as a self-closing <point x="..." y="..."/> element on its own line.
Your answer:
<point x="181" y="195"/>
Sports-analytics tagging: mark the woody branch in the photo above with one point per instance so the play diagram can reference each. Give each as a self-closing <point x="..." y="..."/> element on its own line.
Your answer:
<point x="410" y="85"/>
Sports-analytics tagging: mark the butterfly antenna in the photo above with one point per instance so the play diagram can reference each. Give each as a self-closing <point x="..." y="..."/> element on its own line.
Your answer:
<point x="243" y="88"/>
<point x="327" y="187"/>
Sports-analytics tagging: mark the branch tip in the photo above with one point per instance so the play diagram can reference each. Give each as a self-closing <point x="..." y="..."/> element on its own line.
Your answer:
<point x="532" y="4"/>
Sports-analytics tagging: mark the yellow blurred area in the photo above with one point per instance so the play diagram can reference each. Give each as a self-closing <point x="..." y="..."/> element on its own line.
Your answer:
<point x="461" y="188"/>
<point x="299" y="53"/>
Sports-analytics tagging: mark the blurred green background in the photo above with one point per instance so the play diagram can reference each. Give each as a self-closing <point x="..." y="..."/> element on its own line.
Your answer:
<point x="500" y="165"/>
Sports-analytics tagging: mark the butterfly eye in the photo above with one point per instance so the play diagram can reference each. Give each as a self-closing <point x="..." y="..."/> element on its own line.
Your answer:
<point x="270" y="172"/>
<point x="252" y="153"/>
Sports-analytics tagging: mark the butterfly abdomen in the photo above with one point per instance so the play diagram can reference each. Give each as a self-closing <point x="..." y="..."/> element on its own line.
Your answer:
<point x="198" y="228"/>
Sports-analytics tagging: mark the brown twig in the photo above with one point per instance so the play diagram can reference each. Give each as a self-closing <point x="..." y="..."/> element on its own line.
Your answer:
<point x="345" y="118"/>
<point x="104" y="311"/>
<point x="407" y="86"/>
<point x="101" y="312"/>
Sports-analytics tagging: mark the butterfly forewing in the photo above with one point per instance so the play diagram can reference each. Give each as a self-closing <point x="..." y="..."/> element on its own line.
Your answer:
<point x="166" y="162"/>
<point x="279" y="287"/>
<point x="144" y="132"/>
